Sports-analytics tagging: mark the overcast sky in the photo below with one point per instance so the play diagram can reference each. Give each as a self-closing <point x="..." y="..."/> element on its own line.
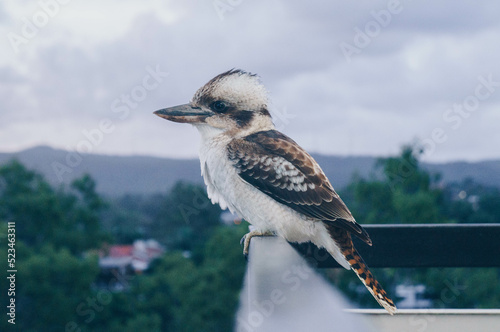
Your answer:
<point x="344" y="77"/>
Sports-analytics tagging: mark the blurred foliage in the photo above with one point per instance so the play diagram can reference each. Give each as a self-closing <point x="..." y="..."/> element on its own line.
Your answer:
<point x="183" y="219"/>
<point x="52" y="283"/>
<point x="46" y="216"/>
<point x="176" y="294"/>
<point x="195" y="286"/>
<point x="406" y="193"/>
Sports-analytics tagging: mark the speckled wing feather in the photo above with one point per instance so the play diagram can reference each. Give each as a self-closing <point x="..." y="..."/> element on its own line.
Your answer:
<point x="279" y="167"/>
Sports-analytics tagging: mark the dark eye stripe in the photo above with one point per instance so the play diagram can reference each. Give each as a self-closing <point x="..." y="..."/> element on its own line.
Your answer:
<point x="242" y="118"/>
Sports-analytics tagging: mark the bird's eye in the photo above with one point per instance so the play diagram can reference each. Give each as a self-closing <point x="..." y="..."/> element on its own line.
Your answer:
<point x="219" y="106"/>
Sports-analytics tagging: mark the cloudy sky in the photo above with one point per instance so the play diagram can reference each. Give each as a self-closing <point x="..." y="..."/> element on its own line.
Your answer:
<point x="345" y="77"/>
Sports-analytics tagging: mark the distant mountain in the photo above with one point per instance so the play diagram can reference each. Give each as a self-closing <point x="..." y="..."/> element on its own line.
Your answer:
<point x="117" y="175"/>
<point x="484" y="172"/>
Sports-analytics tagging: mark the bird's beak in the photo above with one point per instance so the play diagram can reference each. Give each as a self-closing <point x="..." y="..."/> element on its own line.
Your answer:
<point x="186" y="113"/>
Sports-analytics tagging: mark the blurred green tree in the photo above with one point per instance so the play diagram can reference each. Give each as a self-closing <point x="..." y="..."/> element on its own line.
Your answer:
<point x="50" y="285"/>
<point x="185" y="218"/>
<point x="401" y="191"/>
<point x="179" y="294"/>
<point x="53" y="229"/>
<point x="43" y="215"/>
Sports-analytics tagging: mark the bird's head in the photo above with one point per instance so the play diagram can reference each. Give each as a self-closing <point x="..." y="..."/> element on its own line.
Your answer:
<point x="233" y="101"/>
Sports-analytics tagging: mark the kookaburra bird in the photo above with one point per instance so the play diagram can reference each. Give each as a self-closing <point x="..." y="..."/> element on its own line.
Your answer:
<point x="265" y="177"/>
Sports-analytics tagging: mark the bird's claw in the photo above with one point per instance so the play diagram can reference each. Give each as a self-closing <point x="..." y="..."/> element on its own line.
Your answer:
<point x="245" y="240"/>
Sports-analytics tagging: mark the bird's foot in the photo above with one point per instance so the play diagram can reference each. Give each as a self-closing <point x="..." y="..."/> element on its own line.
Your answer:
<point x="245" y="240"/>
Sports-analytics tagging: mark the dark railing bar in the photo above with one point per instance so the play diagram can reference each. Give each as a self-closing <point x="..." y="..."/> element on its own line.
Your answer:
<point x="421" y="245"/>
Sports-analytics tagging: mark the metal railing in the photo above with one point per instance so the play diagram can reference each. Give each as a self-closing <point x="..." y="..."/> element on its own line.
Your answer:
<point x="421" y="245"/>
<point x="284" y="292"/>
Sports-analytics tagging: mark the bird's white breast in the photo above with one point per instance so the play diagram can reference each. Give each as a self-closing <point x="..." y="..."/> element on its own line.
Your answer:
<point x="226" y="187"/>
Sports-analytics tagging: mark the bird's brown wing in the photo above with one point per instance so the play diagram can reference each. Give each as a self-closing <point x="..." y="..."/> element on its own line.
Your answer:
<point x="279" y="167"/>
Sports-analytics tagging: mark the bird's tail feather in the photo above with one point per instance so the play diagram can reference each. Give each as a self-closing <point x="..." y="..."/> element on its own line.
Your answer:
<point x="358" y="265"/>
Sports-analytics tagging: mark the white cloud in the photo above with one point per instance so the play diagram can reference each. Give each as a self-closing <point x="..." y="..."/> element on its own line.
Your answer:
<point x="430" y="55"/>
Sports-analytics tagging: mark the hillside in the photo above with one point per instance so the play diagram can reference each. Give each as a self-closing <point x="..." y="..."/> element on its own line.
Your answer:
<point x="116" y="175"/>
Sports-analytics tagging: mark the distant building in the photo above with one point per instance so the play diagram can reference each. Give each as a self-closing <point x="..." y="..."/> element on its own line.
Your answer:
<point x="412" y="297"/>
<point x="119" y="262"/>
